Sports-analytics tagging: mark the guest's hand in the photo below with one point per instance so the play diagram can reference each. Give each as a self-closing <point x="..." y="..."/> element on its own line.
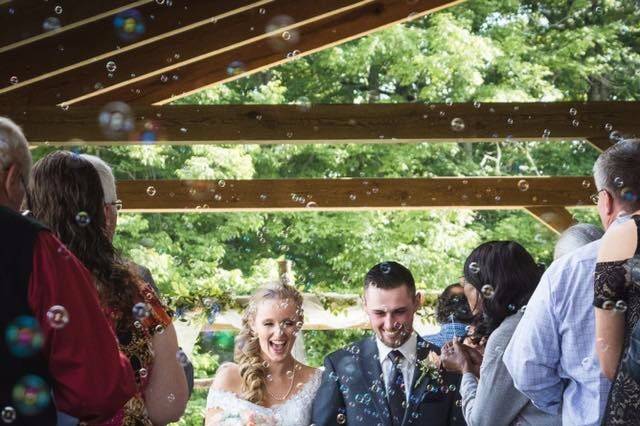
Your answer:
<point x="454" y="358"/>
<point x="475" y="359"/>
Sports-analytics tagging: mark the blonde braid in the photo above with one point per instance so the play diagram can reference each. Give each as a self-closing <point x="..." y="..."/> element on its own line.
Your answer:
<point x="247" y="350"/>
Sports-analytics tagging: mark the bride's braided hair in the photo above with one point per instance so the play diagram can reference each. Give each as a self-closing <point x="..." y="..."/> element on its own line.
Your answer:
<point x="247" y="350"/>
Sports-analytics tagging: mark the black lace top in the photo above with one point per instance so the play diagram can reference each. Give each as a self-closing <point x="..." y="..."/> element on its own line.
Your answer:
<point x="617" y="288"/>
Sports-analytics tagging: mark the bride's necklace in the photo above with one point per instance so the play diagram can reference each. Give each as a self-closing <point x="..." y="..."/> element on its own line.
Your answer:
<point x="282" y="398"/>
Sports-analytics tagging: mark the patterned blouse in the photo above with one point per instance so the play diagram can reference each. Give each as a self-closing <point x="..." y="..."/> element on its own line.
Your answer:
<point x="135" y="343"/>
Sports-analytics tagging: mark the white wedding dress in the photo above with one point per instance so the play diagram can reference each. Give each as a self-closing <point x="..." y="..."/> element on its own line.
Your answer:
<point x="296" y="411"/>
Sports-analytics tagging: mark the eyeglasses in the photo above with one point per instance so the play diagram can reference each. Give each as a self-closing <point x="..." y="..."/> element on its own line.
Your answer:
<point x="117" y="204"/>
<point x="596" y="197"/>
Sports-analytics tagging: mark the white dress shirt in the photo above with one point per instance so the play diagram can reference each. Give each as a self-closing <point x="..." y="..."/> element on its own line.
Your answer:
<point x="407" y="364"/>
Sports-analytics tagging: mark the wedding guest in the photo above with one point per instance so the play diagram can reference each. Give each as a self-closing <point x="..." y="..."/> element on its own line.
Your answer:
<point x="54" y="334"/>
<point x="112" y="206"/>
<point x="552" y="354"/>
<point x="453" y="315"/>
<point x="617" y="276"/>
<point x="392" y="378"/>
<point x="266" y="385"/>
<point x="575" y="237"/>
<point x="67" y="195"/>
<point x="499" y="278"/>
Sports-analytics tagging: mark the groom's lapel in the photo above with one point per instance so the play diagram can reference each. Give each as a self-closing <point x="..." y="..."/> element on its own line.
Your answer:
<point x="371" y="370"/>
<point x="418" y="388"/>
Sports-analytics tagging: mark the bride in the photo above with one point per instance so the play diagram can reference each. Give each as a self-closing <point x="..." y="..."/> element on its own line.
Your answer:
<point x="266" y="385"/>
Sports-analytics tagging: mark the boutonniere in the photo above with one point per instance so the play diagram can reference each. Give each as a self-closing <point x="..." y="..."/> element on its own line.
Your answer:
<point x="429" y="367"/>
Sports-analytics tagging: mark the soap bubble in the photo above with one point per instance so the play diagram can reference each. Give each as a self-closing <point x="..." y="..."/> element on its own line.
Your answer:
<point x="116" y="120"/>
<point x="31" y="395"/>
<point x="23" y="336"/>
<point x="282" y="40"/>
<point x="57" y="316"/>
<point x="140" y="311"/>
<point x="129" y="25"/>
<point x="474" y="268"/>
<point x="457" y="124"/>
<point x="488" y="291"/>
<point x="51" y="23"/>
<point x="83" y="219"/>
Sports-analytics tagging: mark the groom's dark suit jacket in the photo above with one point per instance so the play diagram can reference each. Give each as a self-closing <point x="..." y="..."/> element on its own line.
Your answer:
<point x="353" y="390"/>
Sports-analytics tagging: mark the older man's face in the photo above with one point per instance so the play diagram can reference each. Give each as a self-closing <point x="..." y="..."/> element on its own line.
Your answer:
<point x="13" y="187"/>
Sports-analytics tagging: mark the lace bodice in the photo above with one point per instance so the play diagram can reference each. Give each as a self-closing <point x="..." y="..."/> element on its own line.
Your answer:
<point x="296" y="411"/>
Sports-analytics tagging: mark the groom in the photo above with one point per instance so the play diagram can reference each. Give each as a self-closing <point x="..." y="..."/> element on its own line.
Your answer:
<point x="392" y="379"/>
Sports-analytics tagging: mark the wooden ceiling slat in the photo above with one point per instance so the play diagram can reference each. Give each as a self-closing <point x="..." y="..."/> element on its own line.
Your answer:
<point x="80" y="48"/>
<point x="211" y="67"/>
<point x="354" y="194"/>
<point x="25" y="18"/>
<point x="370" y="123"/>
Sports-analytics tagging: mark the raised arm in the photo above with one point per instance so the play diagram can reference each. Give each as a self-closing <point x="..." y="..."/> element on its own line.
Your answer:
<point x="167" y="394"/>
<point x="533" y="354"/>
<point x="92" y="379"/>
<point x="328" y="399"/>
<point x="618" y="244"/>
<point x="480" y="405"/>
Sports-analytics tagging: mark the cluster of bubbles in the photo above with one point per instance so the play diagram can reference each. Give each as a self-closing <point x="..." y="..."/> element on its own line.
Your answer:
<point x="619" y="306"/>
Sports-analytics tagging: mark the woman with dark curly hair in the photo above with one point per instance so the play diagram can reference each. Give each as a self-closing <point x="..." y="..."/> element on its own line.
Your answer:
<point x="66" y="194"/>
<point x="499" y="279"/>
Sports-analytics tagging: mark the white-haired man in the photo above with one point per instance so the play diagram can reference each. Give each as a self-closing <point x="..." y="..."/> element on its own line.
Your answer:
<point x="55" y="337"/>
<point x="552" y="356"/>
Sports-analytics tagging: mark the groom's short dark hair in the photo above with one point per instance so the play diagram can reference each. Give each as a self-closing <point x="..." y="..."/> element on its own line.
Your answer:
<point x="388" y="275"/>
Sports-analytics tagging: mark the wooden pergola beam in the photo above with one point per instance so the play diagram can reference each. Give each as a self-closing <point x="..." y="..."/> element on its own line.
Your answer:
<point x="286" y="195"/>
<point x="82" y="63"/>
<point x="318" y="26"/>
<point x="556" y="218"/>
<point x="370" y="123"/>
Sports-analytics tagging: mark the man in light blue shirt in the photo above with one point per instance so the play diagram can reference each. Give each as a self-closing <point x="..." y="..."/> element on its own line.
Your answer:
<point x="551" y="356"/>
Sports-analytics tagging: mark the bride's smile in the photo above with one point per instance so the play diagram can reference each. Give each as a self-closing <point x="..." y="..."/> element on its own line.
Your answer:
<point x="276" y="329"/>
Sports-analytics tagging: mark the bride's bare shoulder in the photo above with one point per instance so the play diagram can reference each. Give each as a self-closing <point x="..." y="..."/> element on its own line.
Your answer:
<point x="308" y="372"/>
<point x="228" y="378"/>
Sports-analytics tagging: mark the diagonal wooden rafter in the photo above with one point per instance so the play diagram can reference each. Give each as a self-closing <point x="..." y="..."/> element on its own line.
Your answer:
<point x="286" y="195"/>
<point x="199" y="65"/>
<point x="556" y="218"/>
<point x="370" y="123"/>
<point x="26" y="18"/>
<point x="77" y="50"/>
